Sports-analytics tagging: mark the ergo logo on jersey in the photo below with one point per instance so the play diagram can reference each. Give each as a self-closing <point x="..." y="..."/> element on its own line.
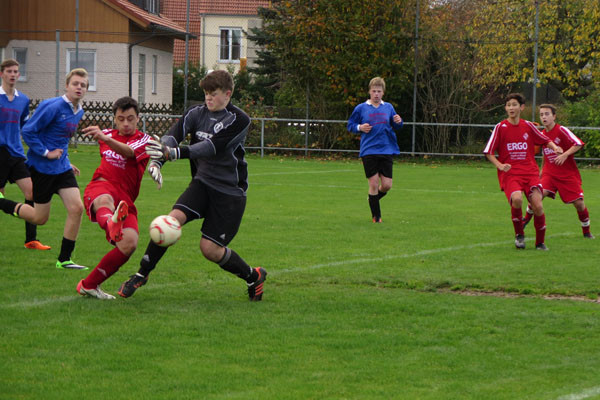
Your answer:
<point x="516" y="146"/>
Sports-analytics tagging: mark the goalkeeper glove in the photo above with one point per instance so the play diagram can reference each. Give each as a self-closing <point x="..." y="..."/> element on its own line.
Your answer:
<point x="161" y="152"/>
<point x="154" y="171"/>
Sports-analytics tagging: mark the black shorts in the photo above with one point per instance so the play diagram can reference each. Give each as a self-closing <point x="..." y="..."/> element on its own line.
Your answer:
<point x="11" y="168"/>
<point x="222" y="212"/>
<point x="45" y="186"/>
<point x="378" y="164"/>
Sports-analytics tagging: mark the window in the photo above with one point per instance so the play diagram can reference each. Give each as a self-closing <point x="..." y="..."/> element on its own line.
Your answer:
<point x="86" y="60"/>
<point x="142" y="80"/>
<point x="231" y="44"/>
<point x="154" y="73"/>
<point x="20" y="55"/>
<point x="153" y="6"/>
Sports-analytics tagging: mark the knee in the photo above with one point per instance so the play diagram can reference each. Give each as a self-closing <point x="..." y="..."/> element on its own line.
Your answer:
<point x="40" y="220"/>
<point x="128" y="245"/>
<point x="516" y="202"/>
<point x="75" y="209"/>
<point x="211" y="251"/>
<point x="386" y="186"/>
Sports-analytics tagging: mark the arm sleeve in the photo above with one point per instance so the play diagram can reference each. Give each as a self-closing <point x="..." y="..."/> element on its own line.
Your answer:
<point x="36" y="124"/>
<point x="492" y="144"/>
<point x="235" y="130"/>
<point x="354" y="121"/>
<point x="392" y="123"/>
<point x="177" y="133"/>
<point x="25" y="114"/>
<point x="538" y="137"/>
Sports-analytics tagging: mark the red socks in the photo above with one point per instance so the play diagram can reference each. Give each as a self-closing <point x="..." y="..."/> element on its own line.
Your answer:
<point x="517" y="220"/>
<point x="584" y="217"/>
<point x="102" y="216"/>
<point x="540" y="228"/>
<point x="109" y="264"/>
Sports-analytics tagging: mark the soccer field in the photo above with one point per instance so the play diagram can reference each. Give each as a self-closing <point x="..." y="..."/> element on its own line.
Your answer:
<point x="434" y="303"/>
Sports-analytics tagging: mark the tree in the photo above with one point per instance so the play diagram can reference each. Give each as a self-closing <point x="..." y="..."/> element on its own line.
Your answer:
<point x="332" y="48"/>
<point x="569" y="45"/>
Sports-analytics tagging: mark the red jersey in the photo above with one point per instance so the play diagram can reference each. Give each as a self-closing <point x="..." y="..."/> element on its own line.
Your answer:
<point x="124" y="173"/>
<point x="564" y="138"/>
<point x="515" y="145"/>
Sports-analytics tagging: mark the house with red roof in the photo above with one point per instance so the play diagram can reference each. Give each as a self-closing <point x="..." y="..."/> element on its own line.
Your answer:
<point x="126" y="46"/>
<point x="221" y="28"/>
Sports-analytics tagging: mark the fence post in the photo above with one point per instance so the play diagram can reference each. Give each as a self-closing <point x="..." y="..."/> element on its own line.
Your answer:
<point x="143" y="122"/>
<point x="306" y="126"/>
<point x="262" y="138"/>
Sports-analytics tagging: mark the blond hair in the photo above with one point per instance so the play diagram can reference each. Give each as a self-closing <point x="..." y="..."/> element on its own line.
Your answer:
<point x="377" y="81"/>
<point x="79" y="72"/>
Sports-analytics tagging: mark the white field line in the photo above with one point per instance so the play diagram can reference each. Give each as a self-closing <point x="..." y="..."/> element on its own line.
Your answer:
<point x="586" y="394"/>
<point x="365" y="260"/>
<point x="406" y="255"/>
<point x="304" y="172"/>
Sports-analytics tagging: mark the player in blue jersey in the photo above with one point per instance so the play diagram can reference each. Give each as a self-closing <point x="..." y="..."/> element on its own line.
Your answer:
<point x="47" y="133"/>
<point x="14" y="112"/>
<point x="375" y="121"/>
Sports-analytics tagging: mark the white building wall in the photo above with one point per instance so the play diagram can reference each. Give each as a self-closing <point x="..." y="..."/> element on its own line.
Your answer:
<point x="210" y="41"/>
<point x="112" y="66"/>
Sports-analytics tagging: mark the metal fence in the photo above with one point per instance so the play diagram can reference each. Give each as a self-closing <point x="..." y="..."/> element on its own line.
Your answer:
<point x="289" y="135"/>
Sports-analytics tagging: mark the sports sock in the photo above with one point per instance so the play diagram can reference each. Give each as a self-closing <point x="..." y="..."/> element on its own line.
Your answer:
<point x="381" y="194"/>
<point x="584" y="217"/>
<point x="66" y="249"/>
<point x="30" y="229"/>
<point x="110" y="263"/>
<point x="233" y="263"/>
<point x="151" y="257"/>
<point x="374" y="205"/>
<point x="8" y="206"/>
<point x="528" y="214"/>
<point x="540" y="228"/>
<point x="517" y="217"/>
<point x="103" y="215"/>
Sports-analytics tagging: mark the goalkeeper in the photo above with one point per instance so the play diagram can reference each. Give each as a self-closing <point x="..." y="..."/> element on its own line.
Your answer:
<point x="217" y="192"/>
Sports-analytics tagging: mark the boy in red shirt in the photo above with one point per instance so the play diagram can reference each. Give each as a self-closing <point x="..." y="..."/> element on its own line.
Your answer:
<point x="560" y="172"/>
<point x="514" y="140"/>
<point x="115" y="185"/>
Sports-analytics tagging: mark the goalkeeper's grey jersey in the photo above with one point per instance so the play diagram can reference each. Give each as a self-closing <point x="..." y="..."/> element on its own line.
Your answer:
<point x="216" y="150"/>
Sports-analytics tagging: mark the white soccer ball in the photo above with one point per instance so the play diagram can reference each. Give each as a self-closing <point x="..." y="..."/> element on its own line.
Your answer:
<point x="165" y="230"/>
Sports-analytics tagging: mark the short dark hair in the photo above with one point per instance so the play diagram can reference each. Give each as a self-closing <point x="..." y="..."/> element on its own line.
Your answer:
<point x="552" y="108"/>
<point x="215" y="80"/>
<point x="9" y="62"/>
<point x="124" y="104"/>
<point x="515" y="96"/>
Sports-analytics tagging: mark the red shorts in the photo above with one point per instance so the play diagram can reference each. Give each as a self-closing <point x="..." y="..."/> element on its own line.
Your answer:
<point x="97" y="188"/>
<point x="569" y="188"/>
<point x="520" y="183"/>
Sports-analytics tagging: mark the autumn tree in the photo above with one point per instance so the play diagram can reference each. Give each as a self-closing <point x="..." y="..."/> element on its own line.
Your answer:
<point x="568" y="40"/>
<point x="332" y="48"/>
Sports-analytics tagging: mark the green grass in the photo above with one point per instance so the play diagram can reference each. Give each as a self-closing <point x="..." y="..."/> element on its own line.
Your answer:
<point x="352" y="309"/>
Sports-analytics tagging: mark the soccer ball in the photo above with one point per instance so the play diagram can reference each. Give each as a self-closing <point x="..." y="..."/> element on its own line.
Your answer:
<point x="165" y="230"/>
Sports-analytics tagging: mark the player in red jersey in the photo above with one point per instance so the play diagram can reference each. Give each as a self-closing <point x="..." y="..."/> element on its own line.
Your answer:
<point x="559" y="172"/>
<point x="514" y="140"/>
<point x="109" y="197"/>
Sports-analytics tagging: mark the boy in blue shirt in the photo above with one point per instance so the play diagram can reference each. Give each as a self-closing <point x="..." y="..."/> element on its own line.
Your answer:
<point x="47" y="133"/>
<point x="376" y="120"/>
<point x="14" y="112"/>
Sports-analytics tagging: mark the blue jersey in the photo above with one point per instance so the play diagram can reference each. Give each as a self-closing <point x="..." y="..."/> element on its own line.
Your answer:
<point x="381" y="139"/>
<point x="51" y="127"/>
<point x="13" y="115"/>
